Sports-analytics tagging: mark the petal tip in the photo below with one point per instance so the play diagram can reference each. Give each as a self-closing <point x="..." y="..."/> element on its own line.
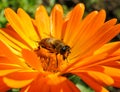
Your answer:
<point x="103" y="11"/>
<point x="58" y="7"/>
<point x="40" y="7"/>
<point x="81" y="5"/>
<point x="19" y="9"/>
<point x="7" y="10"/>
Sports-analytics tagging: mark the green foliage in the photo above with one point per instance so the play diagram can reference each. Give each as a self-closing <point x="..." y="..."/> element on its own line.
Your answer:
<point x="14" y="90"/>
<point x="28" y="5"/>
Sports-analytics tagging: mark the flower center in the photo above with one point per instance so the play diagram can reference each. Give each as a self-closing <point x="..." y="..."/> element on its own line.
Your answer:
<point x="51" y="62"/>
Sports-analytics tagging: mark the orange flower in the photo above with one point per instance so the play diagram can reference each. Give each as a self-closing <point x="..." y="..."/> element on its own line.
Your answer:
<point x="35" y="67"/>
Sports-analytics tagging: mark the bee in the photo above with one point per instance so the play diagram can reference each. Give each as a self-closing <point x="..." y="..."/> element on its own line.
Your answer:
<point x="55" y="46"/>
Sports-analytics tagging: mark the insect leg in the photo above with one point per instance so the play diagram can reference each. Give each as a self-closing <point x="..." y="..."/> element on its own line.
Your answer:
<point x="56" y="60"/>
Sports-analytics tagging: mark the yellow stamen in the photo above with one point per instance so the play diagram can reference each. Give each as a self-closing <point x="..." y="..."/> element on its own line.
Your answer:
<point x="49" y="61"/>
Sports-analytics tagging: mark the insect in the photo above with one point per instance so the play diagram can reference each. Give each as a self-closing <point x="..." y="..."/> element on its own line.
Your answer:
<point x="55" y="46"/>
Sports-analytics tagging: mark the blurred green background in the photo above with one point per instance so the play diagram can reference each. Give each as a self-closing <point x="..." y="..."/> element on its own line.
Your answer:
<point x="112" y="8"/>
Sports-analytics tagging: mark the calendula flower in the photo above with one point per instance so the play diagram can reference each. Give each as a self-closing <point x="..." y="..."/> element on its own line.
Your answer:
<point x="38" y="54"/>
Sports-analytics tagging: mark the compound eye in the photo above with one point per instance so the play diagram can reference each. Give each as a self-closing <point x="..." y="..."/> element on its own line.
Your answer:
<point x="63" y="50"/>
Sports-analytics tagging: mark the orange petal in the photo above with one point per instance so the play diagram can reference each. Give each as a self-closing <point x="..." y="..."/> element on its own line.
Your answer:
<point x="56" y="20"/>
<point x="99" y="38"/>
<point x="11" y="44"/>
<point x="92" y="83"/>
<point x="28" y="26"/>
<point x="6" y="72"/>
<point x="66" y="88"/>
<point x="56" y="86"/>
<point x="117" y="52"/>
<point x="44" y="88"/>
<point x="8" y="68"/>
<point x="18" y="26"/>
<point x="105" y="36"/>
<point x="116" y="83"/>
<point x="74" y="22"/>
<point x="16" y="84"/>
<point x="72" y="86"/>
<point x="78" y="33"/>
<point x="46" y="84"/>
<point x="82" y="24"/>
<point x="101" y="78"/>
<point x="5" y="52"/>
<point x="43" y="22"/>
<point x="32" y="59"/>
<point x="106" y="60"/>
<point x="11" y="41"/>
<point x="83" y="28"/>
<point x="5" y="66"/>
<point x="91" y="25"/>
<point x="114" y="64"/>
<point x="110" y="71"/>
<point x="19" y="79"/>
<point x="40" y="84"/>
<point x="92" y="62"/>
<point x="113" y="72"/>
<point x="104" y="57"/>
<point x="10" y="31"/>
<point x="108" y="48"/>
<point x="3" y="86"/>
<point x="85" y="62"/>
<point x="61" y="84"/>
<point x="25" y="89"/>
<point x="7" y="61"/>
